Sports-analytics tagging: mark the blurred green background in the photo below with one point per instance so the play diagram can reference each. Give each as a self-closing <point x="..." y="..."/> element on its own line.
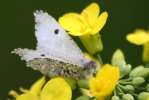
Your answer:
<point x="17" y="30"/>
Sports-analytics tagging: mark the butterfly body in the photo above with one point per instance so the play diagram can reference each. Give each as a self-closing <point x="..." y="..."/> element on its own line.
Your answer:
<point x="56" y="53"/>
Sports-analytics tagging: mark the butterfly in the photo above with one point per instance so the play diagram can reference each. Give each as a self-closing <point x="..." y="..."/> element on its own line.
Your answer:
<point x="56" y="54"/>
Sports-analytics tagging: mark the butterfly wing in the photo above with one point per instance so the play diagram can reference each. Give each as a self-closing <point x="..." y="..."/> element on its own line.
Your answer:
<point x="29" y="54"/>
<point x="56" y="53"/>
<point x="50" y="67"/>
<point x="52" y="38"/>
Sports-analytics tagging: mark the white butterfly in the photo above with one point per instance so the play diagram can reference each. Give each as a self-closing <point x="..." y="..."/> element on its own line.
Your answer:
<point x="56" y="53"/>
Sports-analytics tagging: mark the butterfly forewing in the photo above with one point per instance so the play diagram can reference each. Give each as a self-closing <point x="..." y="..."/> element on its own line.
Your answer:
<point x="55" y="41"/>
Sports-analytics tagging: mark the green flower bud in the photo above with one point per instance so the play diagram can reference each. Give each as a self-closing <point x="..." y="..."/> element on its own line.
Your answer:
<point x="140" y="72"/>
<point x="143" y="96"/>
<point x="83" y="83"/>
<point x="145" y="72"/>
<point x="147" y="87"/>
<point x="125" y="69"/>
<point x="72" y="82"/>
<point x="136" y="71"/>
<point x="138" y="81"/>
<point x="127" y="97"/>
<point x="115" y="98"/>
<point x="86" y="92"/>
<point x="117" y="57"/>
<point x="83" y="98"/>
<point x="129" y="88"/>
<point x="92" y="43"/>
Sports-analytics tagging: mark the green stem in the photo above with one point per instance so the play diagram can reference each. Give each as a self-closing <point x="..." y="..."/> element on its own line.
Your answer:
<point x="120" y="90"/>
<point x="122" y="87"/>
<point x="124" y="82"/>
<point x="115" y="93"/>
<point x="92" y="43"/>
<point x="99" y="58"/>
<point x="134" y="94"/>
<point x="145" y="56"/>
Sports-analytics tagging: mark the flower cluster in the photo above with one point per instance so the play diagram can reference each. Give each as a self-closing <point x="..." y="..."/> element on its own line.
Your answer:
<point x="115" y="81"/>
<point x="141" y="37"/>
<point x="133" y="83"/>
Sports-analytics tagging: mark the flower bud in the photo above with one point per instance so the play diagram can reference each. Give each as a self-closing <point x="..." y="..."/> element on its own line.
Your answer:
<point x="140" y="72"/>
<point x="143" y="96"/>
<point x="138" y="81"/>
<point x="127" y="97"/>
<point x="117" y="57"/>
<point x="145" y="72"/>
<point x="115" y="98"/>
<point x="129" y="88"/>
<point x="86" y="92"/>
<point x="125" y="69"/>
<point x="147" y="87"/>
<point x="136" y="71"/>
<point x="92" y="43"/>
<point x="83" y="98"/>
<point x="83" y="83"/>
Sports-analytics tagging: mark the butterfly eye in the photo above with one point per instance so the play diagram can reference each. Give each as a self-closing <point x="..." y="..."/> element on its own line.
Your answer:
<point x="56" y="31"/>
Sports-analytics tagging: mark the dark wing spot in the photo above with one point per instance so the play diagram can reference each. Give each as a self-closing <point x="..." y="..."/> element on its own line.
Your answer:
<point x="56" y="31"/>
<point x="42" y="55"/>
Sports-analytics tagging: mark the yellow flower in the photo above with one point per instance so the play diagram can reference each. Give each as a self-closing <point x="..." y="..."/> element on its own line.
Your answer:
<point x="88" y="22"/>
<point x="86" y="25"/>
<point x="140" y="37"/>
<point x="54" y="89"/>
<point x="105" y="81"/>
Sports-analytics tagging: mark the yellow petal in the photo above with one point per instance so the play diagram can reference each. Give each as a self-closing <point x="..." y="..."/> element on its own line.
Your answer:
<point x="73" y="23"/>
<point x="27" y="96"/>
<point x="76" y="33"/>
<point x="36" y="87"/>
<point x="101" y="98"/>
<point x="105" y="81"/>
<point x="100" y="22"/>
<point x="91" y="12"/>
<point x="148" y="98"/>
<point x="139" y="37"/>
<point x="107" y="71"/>
<point x="56" y="89"/>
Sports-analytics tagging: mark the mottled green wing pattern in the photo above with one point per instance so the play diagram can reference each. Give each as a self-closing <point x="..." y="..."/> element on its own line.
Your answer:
<point x="52" y="68"/>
